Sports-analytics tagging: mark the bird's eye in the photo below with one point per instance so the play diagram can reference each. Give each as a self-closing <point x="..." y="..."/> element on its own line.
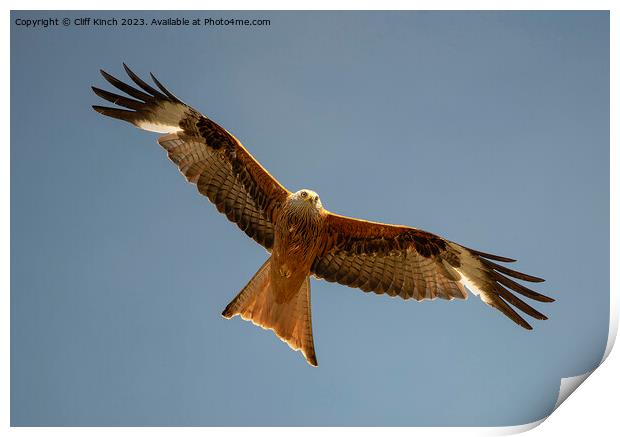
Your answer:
<point x="304" y="194"/>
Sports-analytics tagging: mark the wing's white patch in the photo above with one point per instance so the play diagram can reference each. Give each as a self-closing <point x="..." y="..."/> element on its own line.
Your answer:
<point x="164" y="119"/>
<point x="470" y="267"/>
<point x="468" y="284"/>
<point x="156" y="127"/>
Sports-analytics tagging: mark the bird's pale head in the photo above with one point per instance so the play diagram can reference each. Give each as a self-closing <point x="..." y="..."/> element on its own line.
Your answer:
<point x="307" y="198"/>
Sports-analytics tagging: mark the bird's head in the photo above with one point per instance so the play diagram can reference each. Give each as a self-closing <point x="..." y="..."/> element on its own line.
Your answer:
<point x="307" y="198"/>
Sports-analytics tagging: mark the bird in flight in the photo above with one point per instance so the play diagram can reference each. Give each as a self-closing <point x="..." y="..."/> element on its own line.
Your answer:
<point x="303" y="238"/>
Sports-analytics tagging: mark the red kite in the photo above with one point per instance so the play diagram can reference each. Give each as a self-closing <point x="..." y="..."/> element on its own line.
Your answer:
<point x="304" y="238"/>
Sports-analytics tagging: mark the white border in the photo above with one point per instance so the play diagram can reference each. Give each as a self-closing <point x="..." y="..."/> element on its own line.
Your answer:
<point x="592" y="410"/>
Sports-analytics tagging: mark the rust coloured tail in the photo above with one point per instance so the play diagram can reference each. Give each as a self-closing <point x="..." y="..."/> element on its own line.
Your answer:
<point x="291" y="321"/>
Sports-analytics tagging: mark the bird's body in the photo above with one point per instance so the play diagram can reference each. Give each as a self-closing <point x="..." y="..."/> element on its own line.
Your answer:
<point x="297" y="242"/>
<point x="303" y="238"/>
<point x="280" y="298"/>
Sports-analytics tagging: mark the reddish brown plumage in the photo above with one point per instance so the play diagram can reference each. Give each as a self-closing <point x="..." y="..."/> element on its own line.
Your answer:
<point x="304" y="239"/>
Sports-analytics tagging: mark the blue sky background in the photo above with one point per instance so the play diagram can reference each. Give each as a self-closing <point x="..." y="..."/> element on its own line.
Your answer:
<point x="491" y="129"/>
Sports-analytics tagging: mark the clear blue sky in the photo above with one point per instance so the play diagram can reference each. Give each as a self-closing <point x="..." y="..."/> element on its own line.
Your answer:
<point x="491" y="129"/>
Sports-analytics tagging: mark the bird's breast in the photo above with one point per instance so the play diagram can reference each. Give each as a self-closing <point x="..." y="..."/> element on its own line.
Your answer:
<point x="296" y="235"/>
<point x="295" y="247"/>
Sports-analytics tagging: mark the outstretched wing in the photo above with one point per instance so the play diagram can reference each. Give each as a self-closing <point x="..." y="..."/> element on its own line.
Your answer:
<point x="206" y="154"/>
<point x="410" y="263"/>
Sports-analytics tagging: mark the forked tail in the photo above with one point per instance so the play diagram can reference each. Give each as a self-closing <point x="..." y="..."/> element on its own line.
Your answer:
<point x="291" y="321"/>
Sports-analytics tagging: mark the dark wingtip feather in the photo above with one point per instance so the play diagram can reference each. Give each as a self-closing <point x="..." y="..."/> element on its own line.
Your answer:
<point x="518" y="303"/>
<point x="126" y="88"/>
<point x="107" y="76"/>
<point x="118" y="100"/>
<point x="521" y="289"/>
<point x="142" y="84"/>
<point x="164" y="90"/>
<point x="499" y="303"/>
<point x="491" y="256"/>
<point x="120" y="114"/>
<point x="511" y="272"/>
